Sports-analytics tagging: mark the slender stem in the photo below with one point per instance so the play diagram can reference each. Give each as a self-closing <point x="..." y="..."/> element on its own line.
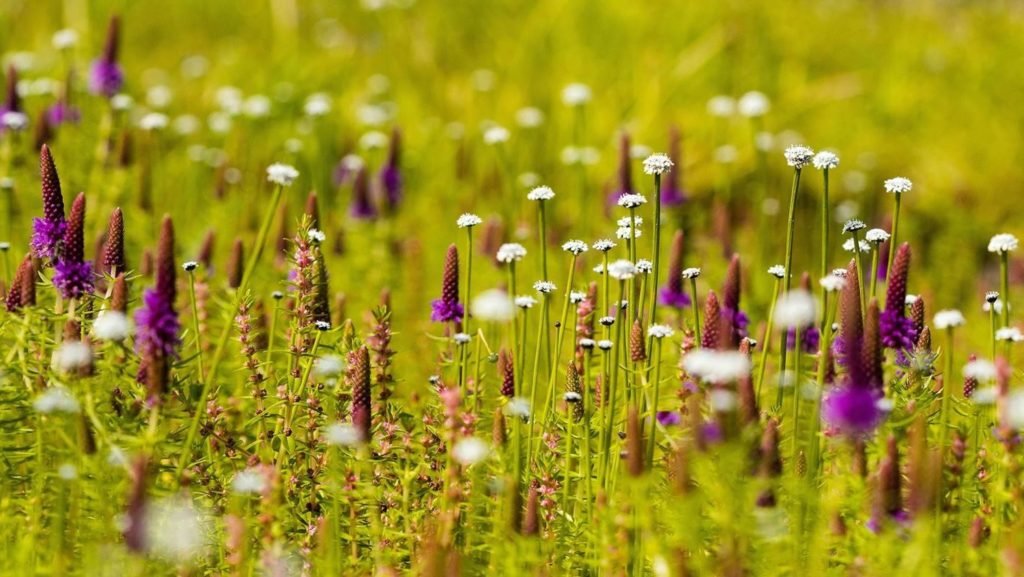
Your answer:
<point x="1005" y="266"/>
<point x="195" y="325"/>
<point x="654" y="402"/>
<point x="895" y="232"/>
<point x="549" y="401"/>
<point x="824" y="227"/>
<point x="798" y="345"/>
<point x="768" y="338"/>
<point x="469" y="277"/>
<point x="653" y="317"/>
<point x="790" y="228"/>
<point x="860" y="269"/>
<point x="873" y="271"/>
<point x="947" y="393"/>
<point x="992" y="318"/>
<point x="696" y="310"/>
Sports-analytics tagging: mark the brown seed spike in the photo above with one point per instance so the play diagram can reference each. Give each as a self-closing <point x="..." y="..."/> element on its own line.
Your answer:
<point x="205" y="255"/>
<point x="712" y="322"/>
<point x="53" y="199"/>
<point x="313" y="210"/>
<point x="634" y="444"/>
<point x="74" y="237"/>
<point x="119" y="294"/>
<point x="359" y="380"/>
<point x="113" y="249"/>
<point x="498" y="434"/>
<point x="637" y="346"/>
<point x="888" y="498"/>
<point x="166" y="271"/>
<point x="236" y="264"/>
<point x="531" y="520"/>
<point x="871" y="350"/>
<point x="506" y="370"/>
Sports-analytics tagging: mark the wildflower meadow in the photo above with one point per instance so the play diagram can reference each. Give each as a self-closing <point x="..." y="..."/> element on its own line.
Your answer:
<point x="407" y="287"/>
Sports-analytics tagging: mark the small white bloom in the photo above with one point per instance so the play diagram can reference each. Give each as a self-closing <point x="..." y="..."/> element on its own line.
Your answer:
<point x="985" y="396"/>
<point x="175" y="530"/>
<point x="898" y="185"/>
<point x="111" y="325"/>
<point x="496" y="135"/>
<point x="316" y="236"/>
<point x="318" y="104"/>
<point x="660" y="331"/>
<point x="716" y="366"/>
<point x="644" y="266"/>
<point x="797" y="308"/>
<point x="541" y="193"/>
<point x="798" y="156"/>
<point x="343" y="435"/>
<point x="64" y="39"/>
<point x="777" y="271"/>
<point x="511" y="252"/>
<point x="876" y="235"/>
<point x="461" y="338"/>
<point x="328" y="366"/>
<point x="470" y="451"/>
<point x="753" y="104"/>
<point x="839" y="272"/>
<point x="572" y="397"/>
<point x="621" y="269"/>
<point x="576" y="247"/>
<point x="468" y="220"/>
<point x="587" y="343"/>
<point x="691" y="273"/>
<point x="981" y="370"/>
<point x="373" y="140"/>
<point x="657" y="164"/>
<point x="832" y="283"/>
<point x="996" y="306"/>
<point x="56" y="399"/>
<point x="493" y="305"/>
<point x="576" y="94"/>
<point x="153" y="121"/>
<point x="72" y="356"/>
<point x="525" y="302"/>
<point x="529" y="117"/>
<point x="632" y="200"/>
<point x="910" y="299"/>
<point x="322" y="325"/>
<point x="853" y="225"/>
<point x="863" y="245"/>
<point x="825" y="160"/>
<point x="726" y="154"/>
<point x="606" y="321"/>
<point x="604" y="345"/>
<point x="256" y="106"/>
<point x="1002" y="243"/>
<point x="576" y="297"/>
<point x="282" y="174"/>
<point x="249" y="482"/>
<point x="67" y="472"/>
<point x="948" y="318"/>
<point x="1015" y="409"/>
<point x="544" y="287"/>
<point x="121" y="102"/>
<point x="722" y="400"/>
<point x="721" y="105"/>
<point x="1012" y="334"/>
<point x="517" y="407"/>
<point x="604" y="245"/>
<point x="189" y="265"/>
<point x="16" y="121"/>
<point x="991" y="296"/>
<point x="626" y="232"/>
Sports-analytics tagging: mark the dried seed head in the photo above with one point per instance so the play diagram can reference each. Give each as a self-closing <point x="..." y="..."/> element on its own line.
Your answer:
<point x="498" y="435"/>
<point x="359" y="380"/>
<point x="637" y="342"/>
<point x="236" y="264"/>
<point x="506" y="370"/>
<point x="119" y="294"/>
<point x="531" y="520"/>
<point x="634" y="444"/>
<point x="113" y="249"/>
<point x="712" y="322"/>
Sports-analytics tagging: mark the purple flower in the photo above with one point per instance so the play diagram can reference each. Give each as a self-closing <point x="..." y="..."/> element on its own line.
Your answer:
<point x="61" y="112"/>
<point x="448" y="308"/>
<point x="672" y="192"/>
<point x="738" y="320"/>
<point x="898" y="331"/>
<point x="73" y="279"/>
<point x="362" y="207"/>
<point x="390" y="173"/>
<point x="669" y="418"/>
<point x="106" y="77"/>
<point x="48" y="232"/>
<point x="48" y="237"/>
<point x="443" y="311"/>
<point x="809" y="340"/>
<point x="669" y="297"/>
<point x="852" y="410"/>
<point x="158" y="325"/>
<point x="876" y="523"/>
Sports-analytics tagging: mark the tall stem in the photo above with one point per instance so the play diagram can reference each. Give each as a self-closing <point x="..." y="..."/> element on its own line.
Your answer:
<point x="895" y="233"/>
<point x="1005" y="266"/>
<point x="767" y="339"/>
<point x="657" y="260"/>
<point x="696" y="310"/>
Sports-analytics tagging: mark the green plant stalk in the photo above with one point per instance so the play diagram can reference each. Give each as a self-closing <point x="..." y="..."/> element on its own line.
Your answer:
<point x="825" y="221"/>
<point x="797" y="346"/>
<point x="992" y="322"/>
<point x="588" y="408"/>
<point x="195" y="324"/>
<point x="611" y="397"/>
<point x="1004" y="265"/>
<point x="767" y="338"/>
<point x="860" y="270"/>
<point x="873" y="271"/>
<point x="895" y="232"/>
<point x="651" y="441"/>
<point x="947" y="394"/>
<point x="655" y="278"/>
<point x="564" y="318"/>
<point x="696" y="310"/>
<point x="823" y="362"/>
<point x="534" y="416"/>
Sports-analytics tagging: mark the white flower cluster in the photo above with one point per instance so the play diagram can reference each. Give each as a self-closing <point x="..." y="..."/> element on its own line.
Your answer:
<point x="632" y="200"/>
<point x="544" y="287"/>
<point x="576" y="94"/>
<point x="622" y="269"/>
<point x="511" y="252"/>
<point x="576" y="247"/>
<point x="657" y="164"/>
<point x="898" y="185"/>
<point x="468" y="220"/>
<point x="832" y="283"/>
<point x="716" y="366"/>
<point x="493" y="305"/>
<point x="948" y="318"/>
<point x="797" y="308"/>
<point x="660" y="331"/>
<point x="1011" y="334"/>
<point x="980" y="370"/>
<point x="1002" y="243"/>
<point x="604" y="245"/>
<point x="777" y="271"/>
<point x="112" y="325"/>
<point x="525" y="302"/>
<point x="541" y="193"/>
<point x="825" y="160"/>
<point x="876" y="235"/>
<point x="691" y="273"/>
<point x="798" y="156"/>
<point x="282" y="174"/>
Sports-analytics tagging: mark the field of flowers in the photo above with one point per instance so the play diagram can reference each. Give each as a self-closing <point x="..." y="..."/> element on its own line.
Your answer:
<point x="390" y="287"/>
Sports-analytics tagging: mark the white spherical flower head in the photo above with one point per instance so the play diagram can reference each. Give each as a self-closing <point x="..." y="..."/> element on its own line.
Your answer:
<point x="632" y="200"/>
<point x="797" y="308"/>
<point x="468" y="220"/>
<point x="67" y="472"/>
<point x="777" y="271"/>
<point x="825" y="160"/>
<point x="576" y="94"/>
<point x="525" y="302"/>
<point x="175" y="530"/>
<point x="721" y="106"/>
<point x="282" y="174"/>
<point x="691" y="273"/>
<point x="576" y="247"/>
<point x="517" y="407"/>
<point x="1009" y="334"/>
<point x="898" y="185"/>
<point x="660" y="331"/>
<point x="576" y="297"/>
<point x="493" y="305"/>
<point x="753" y="104"/>
<point x="529" y="117"/>
<point x="316" y="236"/>
<point x="544" y="287"/>
<point x="112" y="326"/>
<point x="322" y="325"/>
<point x="948" y="319"/>
<point x="657" y="164"/>
<point x="626" y="222"/>
<point x="863" y="245"/>
<point x="910" y="299"/>
<point x="876" y="235"/>
<point x="328" y="367"/>
<point x="832" y="283"/>
<point x="541" y="193"/>
<point x="621" y="269"/>
<point x="461" y="338"/>
<point x="153" y="121"/>
<point x="981" y="370"/>
<point x="716" y="367"/>
<point x="604" y="245"/>
<point x="71" y="356"/>
<point x="64" y="39"/>
<point x="1002" y="243"/>
<point x="12" y="120"/>
<point x="343" y="435"/>
<point x="249" y="482"/>
<point x="644" y="266"/>
<point x="798" y="156"/>
<point x="189" y="266"/>
<point x="56" y="399"/>
<point x="496" y="135"/>
<point x="469" y="451"/>
<point x="604" y="345"/>
<point x="991" y="296"/>
<point x="588" y="343"/>
<point x="853" y="225"/>
<point x="511" y="252"/>
<point x="318" y="104"/>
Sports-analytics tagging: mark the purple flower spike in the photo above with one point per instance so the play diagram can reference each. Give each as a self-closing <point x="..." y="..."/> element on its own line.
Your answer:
<point x="673" y="294"/>
<point x="362" y="207"/>
<point x="809" y="340"/>
<point x="61" y="112"/>
<point x="671" y="298"/>
<point x="898" y="331"/>
<point x="669" y="418"/>
<point x="390" y="173"/>
<point x="47" y="237"/>
<point x="672" y="192"/>
<point x="106" y="77"/>
<point x="48" y="232"/>
<point x="448" y="308"/>
<point x="852" y="410"/>
<point x="442" y="312"/>
<point x="157" y="320"/>
<point x="73" y="279"/>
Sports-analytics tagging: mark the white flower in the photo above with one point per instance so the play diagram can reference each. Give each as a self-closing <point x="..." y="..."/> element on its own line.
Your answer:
<point x="470" y="451"/>
<point x="604" y="345"/>
<point x="373" y="140"/>
<point x="517" y="407"/>
<point x="625" y="221"/>
<point x="56" y="399"/>
<point x="282" y="174"/>
<point x="621" y="269"/>
<point x="726" y="154"/>
<point x="256" y="106"/>
<point x="657" y="164"/>
<point x="317" y="104"/>
<point x="691" y="273"/>
<point x="996" y="306"/>
<point x="1015" y="409"/>
<point x="572" y="397"/>
<point x="722" y="400"/>
<point x="632" y="200"/>
<point x="316" y="236"/>
<point x="343" y="435"/>
<point x="876" y="235"/>
<point x="67" y="472"/>
<point x="753" y="104"/>
<point x="189" y="265"/>
<point x="864" y="245"/>
<point x="587" y="343"/>
<point x="948" y="318"/>
<point x="15" y="121"/>
<point x="328" y="366"/>
<point x="159" y="96"/>
<point x="541" y="193"/>
<point x="853" y="225"/>
<point x="1002" y="243"/>
<point x="64" y="39"/>
<point x="825" y="160"/>
<point x="525" y="302"/>
<point x="72" y="356"/>
<point x="576" y="94"/>
<point x="576" y="297"/>
<point x="496" y="135"/>
<point x="511" y="252"/>
<point x="544" y="287"/>
<point x="175" y="530"/>
<point x="461" y="338"/>
<point x="798" y="156"/>
<point x="985" y="396"/>
<point x="121" y="102"/>
<point x="980" y="370"/>
<point x="797" y="308"/>
<point x="1011" y="334"/>
<point x="468" y="220"/>
<point x="644" y="266"/>
<point x="576" y="247"/>
<point x="777" y="271"/>
<point x="112" y="325"/>
<point x="153" y="121"/>
<point x="493" y="305"/>
<point x="604" y="245"/>
<point x="991" y="296"/>
<point x="529" y="117"/>
<point x="909" y="299"/>
<point x="832" y="283"/>
<point x="898" y="185"/>
<point x="660" y="331"/>
<point x="716" y="366"/>
<point x="249" y="482"/>
<point x="322" y="325"/>
<point x="626" y="232"/>
<point x="721" y="105"/>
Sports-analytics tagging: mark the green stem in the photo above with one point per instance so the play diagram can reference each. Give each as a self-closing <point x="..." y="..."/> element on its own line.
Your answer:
<point x="195" y="324"/>
<point x="1004" y="261"/>
<point x="696" y="310"/>
<point x="895" y="233"/>
<point x="768" y="339"/>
